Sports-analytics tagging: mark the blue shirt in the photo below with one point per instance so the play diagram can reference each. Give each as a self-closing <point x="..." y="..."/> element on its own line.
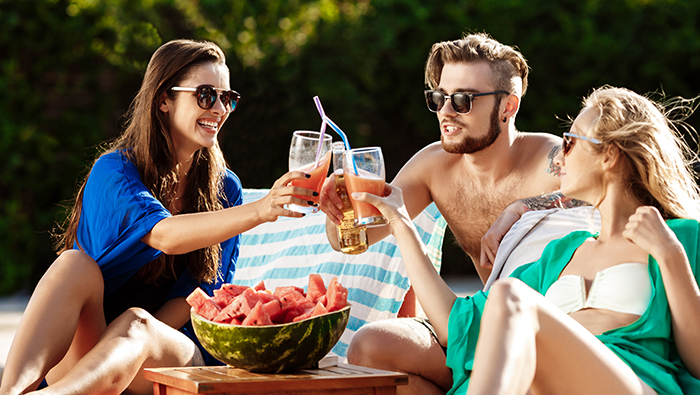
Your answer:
<point x="118" y="211"/>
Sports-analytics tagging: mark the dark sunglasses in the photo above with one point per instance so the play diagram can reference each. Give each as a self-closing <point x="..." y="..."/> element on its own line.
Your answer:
<point x="461" y="101"/>
<point x="207" y="95"/>
<point x="567" y="141"/>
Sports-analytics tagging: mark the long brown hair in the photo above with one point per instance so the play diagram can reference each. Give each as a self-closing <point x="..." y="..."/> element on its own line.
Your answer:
<point x="148" y="144"/>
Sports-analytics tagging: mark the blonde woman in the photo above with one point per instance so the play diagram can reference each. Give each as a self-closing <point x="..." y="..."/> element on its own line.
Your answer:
<point x="613" y="312"/>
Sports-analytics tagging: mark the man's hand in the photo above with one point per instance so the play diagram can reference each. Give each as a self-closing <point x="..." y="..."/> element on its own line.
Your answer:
<point x="329" y="202"/>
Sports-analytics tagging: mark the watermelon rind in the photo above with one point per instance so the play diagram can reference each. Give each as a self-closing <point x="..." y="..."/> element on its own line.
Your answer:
<point x="272" y="348"/>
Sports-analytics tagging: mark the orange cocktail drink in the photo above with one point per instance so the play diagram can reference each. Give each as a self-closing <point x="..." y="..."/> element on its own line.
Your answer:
<point x="365" y="182"/>
<point x="310" y="152"/>
<point x="318" y="175"/>
<point x="364" y="172"/>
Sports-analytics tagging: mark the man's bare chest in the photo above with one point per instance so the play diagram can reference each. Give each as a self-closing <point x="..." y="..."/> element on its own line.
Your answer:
<point x="470" y="208"/>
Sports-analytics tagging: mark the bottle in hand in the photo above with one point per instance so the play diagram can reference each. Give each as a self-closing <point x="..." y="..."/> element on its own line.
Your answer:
<point x="352" y="239"/>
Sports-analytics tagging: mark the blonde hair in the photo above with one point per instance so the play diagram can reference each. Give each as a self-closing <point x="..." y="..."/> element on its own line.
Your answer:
<point x="657" y="161"/>
<point x="507" y="64"/>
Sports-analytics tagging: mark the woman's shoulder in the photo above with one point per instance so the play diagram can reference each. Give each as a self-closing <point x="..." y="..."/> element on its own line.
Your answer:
<point x="114" y="161"/>
<point x="233" y="189"/>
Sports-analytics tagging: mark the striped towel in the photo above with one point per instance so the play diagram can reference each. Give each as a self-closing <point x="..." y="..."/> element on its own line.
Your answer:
<point x="286" y="251"/>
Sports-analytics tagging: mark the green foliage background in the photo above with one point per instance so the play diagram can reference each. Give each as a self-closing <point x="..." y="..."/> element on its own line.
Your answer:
<point x="69" y="69"/>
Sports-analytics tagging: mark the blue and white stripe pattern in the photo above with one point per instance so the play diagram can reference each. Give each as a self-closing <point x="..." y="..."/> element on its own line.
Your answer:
<point x="285" y="252"/>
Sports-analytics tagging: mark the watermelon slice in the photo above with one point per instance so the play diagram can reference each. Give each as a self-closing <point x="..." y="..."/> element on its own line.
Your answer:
<point x="257" y="316"/>
<point x="260" y="286"/>
<point x="337" y="295"/>
<point x="230" y="312"/>
<point x="209" y="309"/>
<point x="234" y="289"/>
<point x="249" y="298"/>
<point x="223" y="298"/>
<point x="316" y="289"/>
<point x="197" y="298"/>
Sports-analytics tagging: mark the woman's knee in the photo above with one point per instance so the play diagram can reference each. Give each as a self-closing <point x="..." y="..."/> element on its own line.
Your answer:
<point x="135" y="323"/>
<point x="364" y="343"/>
<point x="509" y="296"/>
<point x="76" y="266"/>
<point x="384" y="343"/>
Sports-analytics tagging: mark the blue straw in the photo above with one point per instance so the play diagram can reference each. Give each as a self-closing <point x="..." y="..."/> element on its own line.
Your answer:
<point x="333" y="126"/>
<point x="337" y="130"/>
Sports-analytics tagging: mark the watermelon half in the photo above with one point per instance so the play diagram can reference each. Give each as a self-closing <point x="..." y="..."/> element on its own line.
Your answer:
<point x="272" y="348"/>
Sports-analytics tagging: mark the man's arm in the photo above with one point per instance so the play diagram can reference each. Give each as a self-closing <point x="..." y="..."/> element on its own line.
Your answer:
<point x="550" y="200"/>
<point x="512" y="213"/>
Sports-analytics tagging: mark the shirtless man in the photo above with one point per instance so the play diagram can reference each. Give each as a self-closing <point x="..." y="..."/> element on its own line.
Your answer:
<point x="482" y="164"/>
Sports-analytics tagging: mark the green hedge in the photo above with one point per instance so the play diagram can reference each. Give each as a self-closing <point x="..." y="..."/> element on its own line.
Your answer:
<point x="69" y="69"/>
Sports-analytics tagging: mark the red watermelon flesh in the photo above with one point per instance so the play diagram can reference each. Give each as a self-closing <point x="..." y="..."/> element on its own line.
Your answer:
<point x="316" y="288"/>
<point x="260" y="286"/>
<point x="289" y="296"/>
<point x="230" y="312"/>
<point x="249" y="299"/>
<point x="337" y="296"/>
<point x="291" y="315"/>
<point x="257" y="316"/>
<point x="197" y="298"/>
<point x="241" y="305"/>
<point x="274" y="310"/>
<point x="319" y="309"/>
<point x="266" y="296"/>
<point x="223" y="298"/>
<point x="209" y="309"/>
<point x="234" y="289"/>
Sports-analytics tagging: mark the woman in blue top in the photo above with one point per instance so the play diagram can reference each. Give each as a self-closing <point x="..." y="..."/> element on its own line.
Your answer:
<point x="612" y="312"/>
<point x="160" y="214"/>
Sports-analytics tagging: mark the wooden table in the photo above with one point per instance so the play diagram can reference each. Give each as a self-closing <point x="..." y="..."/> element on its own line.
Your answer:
<point x="221" y="380"/>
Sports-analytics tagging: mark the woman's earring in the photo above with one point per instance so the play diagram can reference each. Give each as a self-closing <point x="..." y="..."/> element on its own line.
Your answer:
<point x="505" y="119"/>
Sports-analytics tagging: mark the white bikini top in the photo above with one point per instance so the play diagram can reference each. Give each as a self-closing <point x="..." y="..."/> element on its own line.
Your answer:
<point x="625" y="288"/>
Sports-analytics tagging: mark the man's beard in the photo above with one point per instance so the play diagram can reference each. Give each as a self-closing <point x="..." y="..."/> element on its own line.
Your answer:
<point x="469" y="145"/>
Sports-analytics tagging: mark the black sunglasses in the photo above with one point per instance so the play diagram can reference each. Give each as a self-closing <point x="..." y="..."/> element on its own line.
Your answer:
<point x="461" y="101"/>
<point x="568" y="140"/>
<point x="207" y="95"/>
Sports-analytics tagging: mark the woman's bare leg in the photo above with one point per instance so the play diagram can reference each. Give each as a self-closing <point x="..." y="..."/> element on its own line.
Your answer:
<point x="527" y="343"/>
<point x="64" y="318"/>
<point x="134" y="340"/>
<point x="403" y="345"/>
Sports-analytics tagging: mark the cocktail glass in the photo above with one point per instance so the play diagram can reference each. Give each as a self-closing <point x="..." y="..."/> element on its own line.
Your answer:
<point x="304" y="155"/>
<point x="364" y="172"/>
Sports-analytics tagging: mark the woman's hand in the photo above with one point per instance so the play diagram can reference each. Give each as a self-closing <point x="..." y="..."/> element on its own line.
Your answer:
<point x="391" y="205"/>
<point x="647" y="229"/>
<point x="271" y="206"/>
<point x="492" y="239"/>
